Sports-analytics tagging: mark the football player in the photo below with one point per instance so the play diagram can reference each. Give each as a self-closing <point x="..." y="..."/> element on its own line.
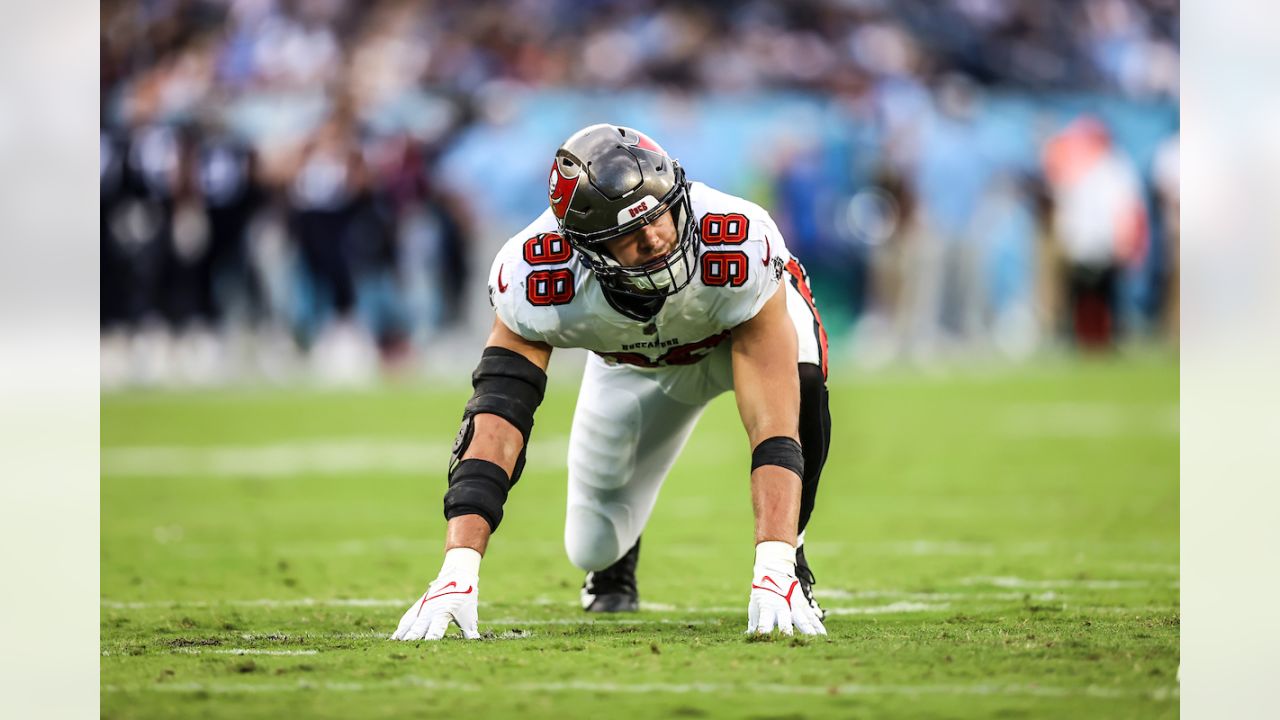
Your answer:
<point x="680" y="292"/>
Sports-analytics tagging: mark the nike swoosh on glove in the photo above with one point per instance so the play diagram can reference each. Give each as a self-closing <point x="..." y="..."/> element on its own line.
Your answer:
<point x="452" y="598"/>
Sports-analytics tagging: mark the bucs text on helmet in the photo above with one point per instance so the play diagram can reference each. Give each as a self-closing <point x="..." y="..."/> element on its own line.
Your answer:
<point x="607" y="181"/>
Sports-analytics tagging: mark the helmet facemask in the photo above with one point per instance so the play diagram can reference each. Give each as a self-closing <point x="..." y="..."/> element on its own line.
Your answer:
<point x="660" y="277"/>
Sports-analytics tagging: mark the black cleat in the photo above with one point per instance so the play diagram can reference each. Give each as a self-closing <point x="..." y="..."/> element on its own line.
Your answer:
<point x="613" y="589"/>
<point x="805" y="576"/>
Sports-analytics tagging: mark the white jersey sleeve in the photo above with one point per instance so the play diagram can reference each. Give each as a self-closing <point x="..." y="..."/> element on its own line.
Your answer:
<point x="743" y="257"/>
<point x="529" y="276"/>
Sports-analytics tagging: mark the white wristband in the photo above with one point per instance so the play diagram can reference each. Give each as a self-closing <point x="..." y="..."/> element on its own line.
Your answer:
<point x="463" y="560"/>
<point x="775" y="554"/>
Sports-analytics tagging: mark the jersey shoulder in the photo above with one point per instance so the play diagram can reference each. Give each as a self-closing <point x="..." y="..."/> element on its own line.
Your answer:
<point x="743" y="254"/>
<point x="534" y="278"/>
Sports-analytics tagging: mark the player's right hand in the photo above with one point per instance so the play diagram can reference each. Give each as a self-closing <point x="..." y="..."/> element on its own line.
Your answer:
<point x="451" y="598"/>
<point x="776" y="598"/>
<point x="776" y="602"/>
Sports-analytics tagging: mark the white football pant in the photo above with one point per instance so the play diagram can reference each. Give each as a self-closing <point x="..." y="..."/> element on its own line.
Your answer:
<point x="630" y="425"/>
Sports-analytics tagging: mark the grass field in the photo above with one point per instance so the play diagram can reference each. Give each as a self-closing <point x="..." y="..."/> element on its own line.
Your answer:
<point x="999" y="544"/>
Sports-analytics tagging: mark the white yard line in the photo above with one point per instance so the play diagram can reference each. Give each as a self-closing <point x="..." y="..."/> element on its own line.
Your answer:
<point x="898" y="607"/>
<point x="585" y="620"/>
<point x="369" y="602"/>
<point x="818" y="546"/>
<point x="173" y="536"/>
<point x="310" y="457"/>
<point x="925" y="548"/>
<point x="838" y="594"/>
<point x="905" y="601"/>
<point x="1040" y="691"/>
<point x="243" y="651"/>
<point x="263" y="602"/>
<point x="1088" y="420"/>
<point x="1081" y="584"/>
<point x="1159" y="568"/>
<point x="1122" y="610"/>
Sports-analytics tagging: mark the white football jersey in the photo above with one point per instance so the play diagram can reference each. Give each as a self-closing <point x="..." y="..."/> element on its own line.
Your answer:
<point x="543" y="291"/>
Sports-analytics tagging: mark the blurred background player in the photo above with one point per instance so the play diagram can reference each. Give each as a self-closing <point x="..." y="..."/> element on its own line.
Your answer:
<point x="680" y="292"/>
<point x="1100" y="221"/>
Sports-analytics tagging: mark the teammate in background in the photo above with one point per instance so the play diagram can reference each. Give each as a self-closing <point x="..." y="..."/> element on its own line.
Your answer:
<point x="681" y="292"/>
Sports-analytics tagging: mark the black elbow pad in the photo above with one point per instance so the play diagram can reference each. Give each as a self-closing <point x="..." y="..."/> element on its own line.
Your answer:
<point x="508" y="385"/>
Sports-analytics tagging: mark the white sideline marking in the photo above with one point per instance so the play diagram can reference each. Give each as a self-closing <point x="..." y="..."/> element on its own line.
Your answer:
<point x="264" y="602"/>
<point x="838" y="594"/>
<point x="817" y="548"/>
<point x="926" y="548"/>
<point x="1165" y="568"/>
<point x="243" y="651"/>
<point x="345" y="548"/>
<point x="1121" y="610"/>
<point x="898" y="607"/>
<point x="651" y="607"/>
<point x="1016" y="582"/>
<point x="1089" y="420"/>
<point x="315" y="457"/>
<point x="595" y="621"/>
<point x="1042" y="691"/>
<point x="905" y="602"/>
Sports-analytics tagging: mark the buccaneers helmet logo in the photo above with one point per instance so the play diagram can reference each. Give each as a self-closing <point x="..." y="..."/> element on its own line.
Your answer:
<point x="560" y="189"/>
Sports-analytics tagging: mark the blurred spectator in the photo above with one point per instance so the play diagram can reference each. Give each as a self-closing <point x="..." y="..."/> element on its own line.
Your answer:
<point x="949" y="177"/>
<point x="327" y="199"/>
<point x="326" y="177"/>
<point x="1101" y="222"/>
<point x="227" y="181"/>
<point x="1004" y="229"/>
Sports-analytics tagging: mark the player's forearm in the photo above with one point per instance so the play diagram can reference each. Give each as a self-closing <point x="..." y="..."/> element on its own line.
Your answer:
<point x="775" y="499"/>
<point x="496" y="440"/>
<point x="468" y="531"/>
<point x="767" y="388"/>
<point x="509" y="384"/>
<point x="499" y="442"/>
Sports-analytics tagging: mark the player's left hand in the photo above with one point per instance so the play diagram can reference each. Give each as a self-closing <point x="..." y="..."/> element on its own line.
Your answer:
<point x="777" y="602"/>
<point x="451" y="598"/>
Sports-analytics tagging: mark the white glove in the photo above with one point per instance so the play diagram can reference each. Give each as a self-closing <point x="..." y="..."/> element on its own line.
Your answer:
<point x="776" y="598"/>
<point x="450" y="598"/>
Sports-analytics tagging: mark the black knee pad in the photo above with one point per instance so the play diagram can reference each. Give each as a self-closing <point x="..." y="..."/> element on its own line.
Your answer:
<point x="815" y="434"/>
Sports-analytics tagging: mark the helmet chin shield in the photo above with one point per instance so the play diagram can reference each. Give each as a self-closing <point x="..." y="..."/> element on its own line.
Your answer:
<point x="608" y="181"/>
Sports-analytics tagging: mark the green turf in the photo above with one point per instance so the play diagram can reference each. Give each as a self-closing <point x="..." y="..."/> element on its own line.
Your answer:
<point x="990" y="544"/>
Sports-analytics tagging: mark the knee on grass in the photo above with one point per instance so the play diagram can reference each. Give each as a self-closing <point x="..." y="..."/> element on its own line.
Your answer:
<point x="591" y="540"/>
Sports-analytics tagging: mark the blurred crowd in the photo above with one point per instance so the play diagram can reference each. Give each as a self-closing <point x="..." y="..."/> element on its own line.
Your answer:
<point x="280" y="183"/>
